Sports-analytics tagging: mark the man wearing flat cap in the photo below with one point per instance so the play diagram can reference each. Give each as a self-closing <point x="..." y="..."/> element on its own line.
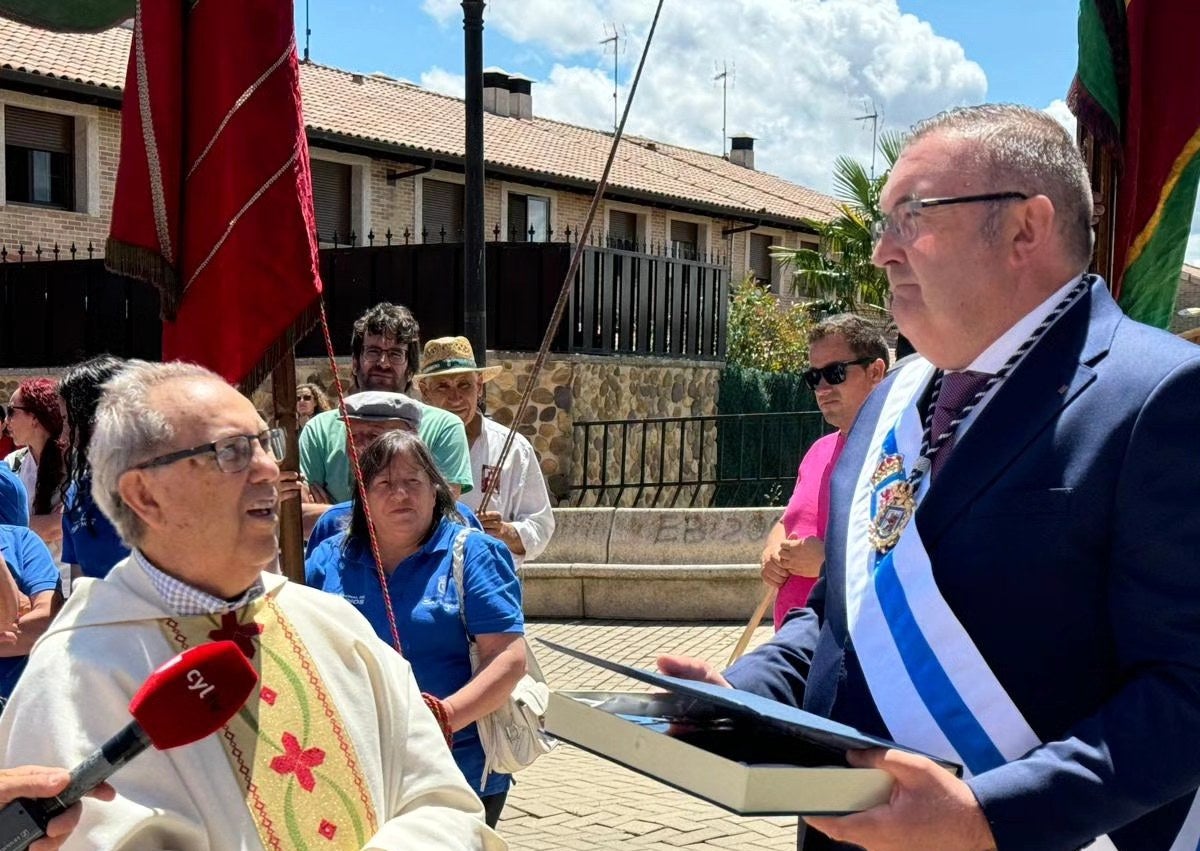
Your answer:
<point x="519" y="513"/>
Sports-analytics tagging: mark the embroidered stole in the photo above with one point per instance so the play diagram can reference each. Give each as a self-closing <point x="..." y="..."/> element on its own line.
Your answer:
<point x="288" y="746"/>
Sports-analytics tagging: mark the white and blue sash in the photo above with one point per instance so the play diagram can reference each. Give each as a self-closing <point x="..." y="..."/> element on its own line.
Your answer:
<point x="933" y="688"/>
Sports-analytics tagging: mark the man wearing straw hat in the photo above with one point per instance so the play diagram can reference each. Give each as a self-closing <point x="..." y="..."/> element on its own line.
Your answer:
<point x="519" y="513"/>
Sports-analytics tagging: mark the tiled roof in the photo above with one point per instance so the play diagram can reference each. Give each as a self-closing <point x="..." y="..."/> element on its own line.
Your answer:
<point x="96" y="59"/>
<point x="402" y="117"/>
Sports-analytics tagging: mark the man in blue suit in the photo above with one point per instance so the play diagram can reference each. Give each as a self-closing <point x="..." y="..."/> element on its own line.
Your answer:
<point x="1011" y="576"/>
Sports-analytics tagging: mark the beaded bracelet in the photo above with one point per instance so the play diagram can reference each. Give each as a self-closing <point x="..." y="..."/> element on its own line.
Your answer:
<point x="440" y="715"/>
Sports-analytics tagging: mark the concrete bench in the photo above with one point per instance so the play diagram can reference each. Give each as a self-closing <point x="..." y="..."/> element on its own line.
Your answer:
<point x="650" y="564"/>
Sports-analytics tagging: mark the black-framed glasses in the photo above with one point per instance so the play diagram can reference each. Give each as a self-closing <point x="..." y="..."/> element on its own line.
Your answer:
<point x="233" y="454"/>
<point x="834" y="373"/>
<point x="9" y="409"/>
<point x="901" y="222"/>
<point x="304" y="398"/>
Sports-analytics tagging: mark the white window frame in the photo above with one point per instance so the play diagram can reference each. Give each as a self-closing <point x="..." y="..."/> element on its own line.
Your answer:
<point x="704" y="231"/>
<point x="87" y="146"/>
<point x="360" y="188"/>
<point x="643" y="220"/>
<point x="520" y="189"/>
<point x="419" y="197"/>
<point x="778" y="237"/>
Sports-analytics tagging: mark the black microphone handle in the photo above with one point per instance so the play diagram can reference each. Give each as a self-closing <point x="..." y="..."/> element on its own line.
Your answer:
<point x="24" y="820"/>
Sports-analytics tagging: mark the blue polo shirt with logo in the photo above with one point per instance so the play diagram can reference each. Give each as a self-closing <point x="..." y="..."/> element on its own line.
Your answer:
<point x="426" y="604"/>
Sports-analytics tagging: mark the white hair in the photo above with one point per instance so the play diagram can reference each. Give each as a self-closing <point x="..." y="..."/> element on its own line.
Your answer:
<point x="129" y="430"/>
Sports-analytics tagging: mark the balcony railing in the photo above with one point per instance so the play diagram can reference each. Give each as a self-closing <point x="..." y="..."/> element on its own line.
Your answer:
<point x="55" y="310"/>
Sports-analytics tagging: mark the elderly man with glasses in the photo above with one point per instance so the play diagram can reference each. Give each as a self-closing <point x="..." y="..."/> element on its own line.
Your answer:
<point x="847" y="357"/>
<point x="1010" y="579"/>
<point x="335" y="748"/>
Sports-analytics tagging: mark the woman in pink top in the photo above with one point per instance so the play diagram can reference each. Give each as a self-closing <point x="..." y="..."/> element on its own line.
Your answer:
<point x="847" y="357"/>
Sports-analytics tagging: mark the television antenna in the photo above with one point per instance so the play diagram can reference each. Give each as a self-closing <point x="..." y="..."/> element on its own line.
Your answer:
<point x="873" y="117"/>
<point x="618" y="37"/>
<point x="307" y="30"/>
<point x="727" y="75"/>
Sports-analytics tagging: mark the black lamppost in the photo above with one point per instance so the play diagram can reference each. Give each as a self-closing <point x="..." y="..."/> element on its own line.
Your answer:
<point x="474" y="280"/>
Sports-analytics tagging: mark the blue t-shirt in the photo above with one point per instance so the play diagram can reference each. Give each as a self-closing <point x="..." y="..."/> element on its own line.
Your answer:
<point x="14" y="499"/>
<point x="425" y="602"/>
<point x="89" y="540"/>
<point x="34" y="571"/>
<point x="337" y="517"/>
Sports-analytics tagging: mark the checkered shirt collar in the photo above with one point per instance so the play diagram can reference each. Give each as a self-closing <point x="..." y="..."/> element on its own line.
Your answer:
<point x="183" y="599"/>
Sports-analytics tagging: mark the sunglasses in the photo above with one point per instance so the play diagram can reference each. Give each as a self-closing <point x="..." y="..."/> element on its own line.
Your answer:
<point x="834" y="373"/>
<point x="9" y="410"/>
<point x="233" y="454"/>
<point x="304" y="398"/>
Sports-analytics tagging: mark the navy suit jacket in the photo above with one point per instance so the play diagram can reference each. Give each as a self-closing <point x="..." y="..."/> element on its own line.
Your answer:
<point x="1064" y="532"/>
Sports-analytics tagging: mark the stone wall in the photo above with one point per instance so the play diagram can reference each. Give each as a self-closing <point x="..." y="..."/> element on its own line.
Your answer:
<point x="571" y="390"/>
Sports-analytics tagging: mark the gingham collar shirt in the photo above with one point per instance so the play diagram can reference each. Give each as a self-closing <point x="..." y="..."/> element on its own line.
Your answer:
<point x="183" y="599"/>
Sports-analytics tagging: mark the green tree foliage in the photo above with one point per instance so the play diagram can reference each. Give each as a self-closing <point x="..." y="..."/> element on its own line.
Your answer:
<point x="764" y="336"/>
<point x="840" y="275"/>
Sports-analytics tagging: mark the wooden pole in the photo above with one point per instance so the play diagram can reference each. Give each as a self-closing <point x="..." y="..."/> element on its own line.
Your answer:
<point x="291" y="530"/>
<point x="755" y="620"/>
<point x="1102" y="171"/>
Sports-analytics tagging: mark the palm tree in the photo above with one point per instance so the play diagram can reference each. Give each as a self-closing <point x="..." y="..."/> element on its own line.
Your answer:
<point x="839" y="275"/>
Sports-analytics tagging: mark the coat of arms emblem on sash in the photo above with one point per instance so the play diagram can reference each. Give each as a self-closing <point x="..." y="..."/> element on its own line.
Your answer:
<point x="892" y="501"/>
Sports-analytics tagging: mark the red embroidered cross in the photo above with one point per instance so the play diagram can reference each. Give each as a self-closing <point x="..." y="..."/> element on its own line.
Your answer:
<point x="327" y="829"/>
<point x="242" y="635"/>
<point x="296" y="761"/>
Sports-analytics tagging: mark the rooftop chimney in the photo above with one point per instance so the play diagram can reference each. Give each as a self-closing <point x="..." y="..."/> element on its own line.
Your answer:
<point x="520" y="98"/>
<point x="741" y="151"/>
<point x="496" y="98"/>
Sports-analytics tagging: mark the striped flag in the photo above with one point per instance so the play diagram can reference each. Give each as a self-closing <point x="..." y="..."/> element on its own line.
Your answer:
<point x="213" y="201"/>
<point x="1136" y="93"/>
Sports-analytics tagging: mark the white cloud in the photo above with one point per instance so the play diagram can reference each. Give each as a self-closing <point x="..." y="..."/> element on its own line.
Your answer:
<point x="444" y="82"/>
<point x="1060" y="112"/>
<point x="804" y="70"/>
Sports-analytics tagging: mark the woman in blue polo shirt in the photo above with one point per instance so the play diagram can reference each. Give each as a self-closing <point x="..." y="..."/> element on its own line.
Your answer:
<point x="416" y="525"/>
<point x="30" y="583"/>
<point x="90" y="543"/>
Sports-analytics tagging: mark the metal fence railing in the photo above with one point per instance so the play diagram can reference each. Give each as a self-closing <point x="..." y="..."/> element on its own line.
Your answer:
<point x="720" y="460"/>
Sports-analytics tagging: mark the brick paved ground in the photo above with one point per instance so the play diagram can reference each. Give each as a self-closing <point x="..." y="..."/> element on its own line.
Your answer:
<point x="572" y="800"/>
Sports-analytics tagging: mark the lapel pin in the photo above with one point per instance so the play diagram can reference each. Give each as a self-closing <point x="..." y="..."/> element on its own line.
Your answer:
<point x="1062" y="390"/>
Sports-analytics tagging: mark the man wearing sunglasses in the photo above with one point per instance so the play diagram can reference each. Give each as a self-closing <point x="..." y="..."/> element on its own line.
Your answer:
<point x="847" y="357"/>
<point x="336" y="744"/>
<point x="1010" y="579"/>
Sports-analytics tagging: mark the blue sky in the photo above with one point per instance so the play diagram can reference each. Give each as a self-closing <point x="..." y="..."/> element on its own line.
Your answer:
<point x="803" y="69"/>
<point x="1026" y="47"/>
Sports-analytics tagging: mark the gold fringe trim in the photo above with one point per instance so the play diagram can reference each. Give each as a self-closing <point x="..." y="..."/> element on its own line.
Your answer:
<point x="146" y="265"/>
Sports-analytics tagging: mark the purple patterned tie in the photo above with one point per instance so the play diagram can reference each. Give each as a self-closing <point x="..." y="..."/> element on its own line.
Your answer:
<point x="958" y="389"/>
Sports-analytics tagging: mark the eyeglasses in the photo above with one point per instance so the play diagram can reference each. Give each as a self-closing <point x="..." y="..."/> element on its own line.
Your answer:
<point x="9" y="410"/>
<point x="233" y="454"/>
<point x="374" y="354"/>
<point x="834" y="373"/>
<point x="901" y="222"/>
<point x="304" y="398"/>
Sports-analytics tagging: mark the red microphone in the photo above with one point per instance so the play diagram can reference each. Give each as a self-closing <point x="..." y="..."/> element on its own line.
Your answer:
<point x="185" y="700"/>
